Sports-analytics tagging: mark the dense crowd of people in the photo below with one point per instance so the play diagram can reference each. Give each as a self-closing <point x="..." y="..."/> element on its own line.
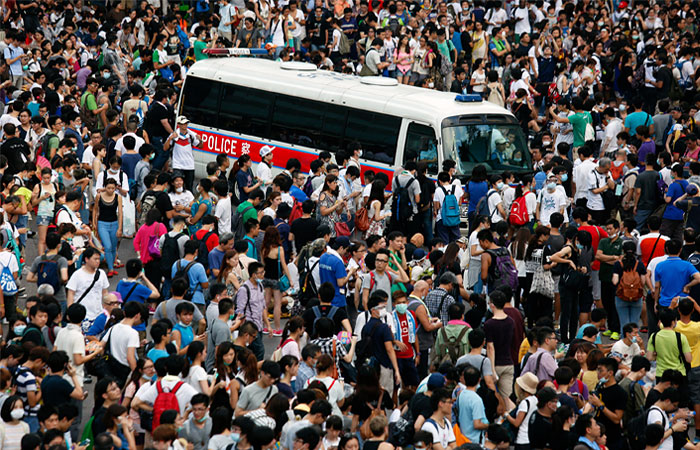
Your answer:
<point x="332" y="307"/>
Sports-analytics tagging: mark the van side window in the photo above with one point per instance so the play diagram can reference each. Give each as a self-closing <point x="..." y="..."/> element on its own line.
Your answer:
<point x="296" y="120"/>
<point x="245" y="110"/>
<point x="200" y="100"/>
<point x="378" y="134"/>
<point x="421" y="144"/>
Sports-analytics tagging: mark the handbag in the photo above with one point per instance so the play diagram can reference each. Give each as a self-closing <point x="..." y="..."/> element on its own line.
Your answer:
<point x="362" y="219"/>
<point x="284" y="284"/>
<point x="99" y="366"/>
<point x="542" y="283"/>
<point x="365" y="432"/>
<point x="573" y="279"/>
<point x="341" y="229"/>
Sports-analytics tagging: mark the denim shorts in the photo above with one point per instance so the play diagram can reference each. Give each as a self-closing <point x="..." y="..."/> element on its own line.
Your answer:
<point x="43" y="220"/>
<point x="272" y="284"/>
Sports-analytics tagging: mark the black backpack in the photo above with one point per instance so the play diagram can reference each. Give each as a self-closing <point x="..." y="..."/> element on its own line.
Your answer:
<point x="636" y="429"/>
<point x="181" y="272"/>
<point x="402" y="207"/>
<point x="237" y="224"/>
<point x="170" y="253"/>
<point x="203" y="253"/>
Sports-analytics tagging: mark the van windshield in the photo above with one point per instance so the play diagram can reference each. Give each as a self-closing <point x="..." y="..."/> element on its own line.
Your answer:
<point x="497" y="144"/>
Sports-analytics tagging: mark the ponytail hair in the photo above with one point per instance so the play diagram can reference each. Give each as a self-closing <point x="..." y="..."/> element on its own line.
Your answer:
<point x="193" y="350"/>
<point x="237" y="166"/>
<point x="292" y="325"/>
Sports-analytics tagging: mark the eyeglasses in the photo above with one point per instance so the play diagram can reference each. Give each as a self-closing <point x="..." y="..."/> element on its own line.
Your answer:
<point x="381" y="260"/>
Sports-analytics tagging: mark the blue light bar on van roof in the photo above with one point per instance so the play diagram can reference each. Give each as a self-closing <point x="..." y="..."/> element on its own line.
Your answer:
<point x="468" y="98"/>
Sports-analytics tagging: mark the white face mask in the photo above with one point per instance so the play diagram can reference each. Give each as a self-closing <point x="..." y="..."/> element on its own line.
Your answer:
<point x="17" y="414"/>
<point x="179" y="189"/>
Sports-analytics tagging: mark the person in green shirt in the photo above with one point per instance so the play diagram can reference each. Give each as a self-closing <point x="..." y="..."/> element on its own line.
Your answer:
<point x="663" y="346"/>
<point x="578" y="121"/>
<point x="201" y="43"/>
<point x="250" y="220"/>
<point x="609" y="252"/>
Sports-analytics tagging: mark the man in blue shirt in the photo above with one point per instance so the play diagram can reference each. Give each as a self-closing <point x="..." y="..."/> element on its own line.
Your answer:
<point x="672" y="221"/>
<point x="131" y="288"/>
<point x="196" y="274"/>
<point x="332" y="269"/>
<point x="674" y="277"/>
<point x="638" y="117"/>
<point x="295" y="191"/>
<point x="471" y="407"/>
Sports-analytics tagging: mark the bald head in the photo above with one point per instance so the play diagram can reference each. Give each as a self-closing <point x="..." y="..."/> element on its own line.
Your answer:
<point x="421" y="288"/>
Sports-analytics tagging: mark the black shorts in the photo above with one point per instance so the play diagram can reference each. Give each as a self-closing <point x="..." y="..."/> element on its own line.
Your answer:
<point x="408" y="371"/>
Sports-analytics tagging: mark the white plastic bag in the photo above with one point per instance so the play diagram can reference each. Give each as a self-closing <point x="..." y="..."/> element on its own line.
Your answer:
<point x="129" y="225"/>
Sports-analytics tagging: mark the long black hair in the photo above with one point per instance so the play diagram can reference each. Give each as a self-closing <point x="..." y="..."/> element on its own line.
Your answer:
<point x="629" y="258"/>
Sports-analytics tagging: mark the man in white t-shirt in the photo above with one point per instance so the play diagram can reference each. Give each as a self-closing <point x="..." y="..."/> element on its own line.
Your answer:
<point x="627" y="347"/>
<point x="658" y="414"/>
<point x="599" y="181"/>
<point x="182" y="140"/>
<point x="223" y="206"/>
<point x="521" y="16"/>
<point x="87" y="286"/>
<point x="131" y="128"/>
<point x="71" y="340"/>
<point x="123" y="341"/>
<point x="549" y="201"/>
<point x="116" y="173"/>
<point x="68" y="214"/>
<point x="497" y="211"/>
<point x="439" y="423"/>
<point x="146" y="396"/>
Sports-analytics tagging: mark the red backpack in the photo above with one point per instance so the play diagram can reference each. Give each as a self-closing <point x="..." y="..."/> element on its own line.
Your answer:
<point x="165" y="401"/>
<point x="296" y="211"/>
<point x="518" y="211"/>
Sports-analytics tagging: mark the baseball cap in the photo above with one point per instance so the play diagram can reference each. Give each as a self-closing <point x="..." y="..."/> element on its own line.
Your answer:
<point x="501" y="140"/>
<point x="463" y="240"/>
<point x="623" y="5"/>
<point x="265" y="150"/>
<point x="418" y="254"/>
<point x="436" y="381"/>
<point x="692" y="189"/>
<point x="342" y="241"/>
<point x="182" y="119"/>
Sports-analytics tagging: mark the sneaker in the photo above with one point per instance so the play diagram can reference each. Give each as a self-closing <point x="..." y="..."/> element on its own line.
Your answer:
<point x="615" y="336"/>
<point x="277" y="333"/>
<point x="644" y="330"/>
<point x="87" y="379"/>
<point x="266" y="331"/>
<point x="607" y="332"/>
<point x="118" y="264"/>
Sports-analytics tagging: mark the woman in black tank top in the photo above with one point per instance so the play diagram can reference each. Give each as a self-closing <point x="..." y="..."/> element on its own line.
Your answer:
<point x="275" y="268"/>
<point x="107" y="219"/>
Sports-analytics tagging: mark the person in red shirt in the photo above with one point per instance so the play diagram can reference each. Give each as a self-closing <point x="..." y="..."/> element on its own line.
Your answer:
<point x="405" y="339"/>
<point x="580" y="216"/>
<point x="208" y="223"/>
<point x="651" y="245"/>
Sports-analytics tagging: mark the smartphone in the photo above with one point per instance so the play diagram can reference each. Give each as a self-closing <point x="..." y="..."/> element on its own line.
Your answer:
<point x="85" y="443"/>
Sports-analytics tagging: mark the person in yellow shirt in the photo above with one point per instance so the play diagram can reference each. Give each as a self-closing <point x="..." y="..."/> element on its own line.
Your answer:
<point x="691" y="330"/>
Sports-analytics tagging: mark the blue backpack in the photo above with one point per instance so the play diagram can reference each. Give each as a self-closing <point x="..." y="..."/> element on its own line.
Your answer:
<point x="48" y="272"/>
<point x="450" y="209"/>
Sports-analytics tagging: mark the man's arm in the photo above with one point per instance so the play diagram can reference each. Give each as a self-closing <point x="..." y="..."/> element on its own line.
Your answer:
<point x="693" y="282"/>
<point x="389" y="346"/>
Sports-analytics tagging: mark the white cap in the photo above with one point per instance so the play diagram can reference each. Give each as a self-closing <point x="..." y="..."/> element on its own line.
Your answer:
<point x="266" y="150"/>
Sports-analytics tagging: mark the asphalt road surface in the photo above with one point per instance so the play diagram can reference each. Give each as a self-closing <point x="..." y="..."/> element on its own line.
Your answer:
<point x="125" y="251"/>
